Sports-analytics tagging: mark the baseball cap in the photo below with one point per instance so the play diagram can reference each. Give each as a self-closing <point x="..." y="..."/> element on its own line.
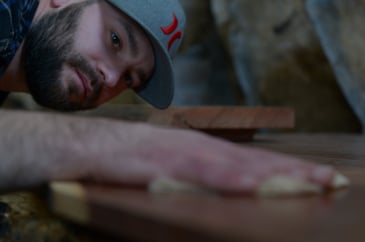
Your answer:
<point x="164" y="23"/>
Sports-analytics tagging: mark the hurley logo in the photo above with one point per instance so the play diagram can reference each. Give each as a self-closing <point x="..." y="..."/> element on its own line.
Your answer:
<point x="171" y="30"/>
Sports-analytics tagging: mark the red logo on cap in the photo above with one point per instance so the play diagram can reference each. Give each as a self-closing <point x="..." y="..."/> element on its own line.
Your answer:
<point x="168" y="30"/>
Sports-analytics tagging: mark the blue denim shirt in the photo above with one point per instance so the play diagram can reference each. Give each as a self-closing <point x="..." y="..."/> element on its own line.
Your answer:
<point x="15" y="19"/>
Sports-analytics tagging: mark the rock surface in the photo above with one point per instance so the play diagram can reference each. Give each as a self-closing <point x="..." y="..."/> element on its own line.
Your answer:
<point x="340" y="27"/>
<point x="274" y="55"/>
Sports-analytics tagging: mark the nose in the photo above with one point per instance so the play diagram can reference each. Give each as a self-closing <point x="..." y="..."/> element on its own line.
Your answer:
<point x="110" y="73"/>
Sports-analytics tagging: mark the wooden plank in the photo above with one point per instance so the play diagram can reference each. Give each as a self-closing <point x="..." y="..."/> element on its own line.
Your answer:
<point x="124" y="213"/>
<point x="332" y="217"/>
<point x="231" y="122"/>
<point x="204" y="117"/>
<point x="334" y="149"/>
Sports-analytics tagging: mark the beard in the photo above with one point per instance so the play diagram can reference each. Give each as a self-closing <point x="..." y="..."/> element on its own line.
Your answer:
<point x="48" y="46"/>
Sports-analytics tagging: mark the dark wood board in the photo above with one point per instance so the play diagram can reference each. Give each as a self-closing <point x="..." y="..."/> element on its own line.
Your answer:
<point x="234" y="123"/>
<point x="138" y="215"/>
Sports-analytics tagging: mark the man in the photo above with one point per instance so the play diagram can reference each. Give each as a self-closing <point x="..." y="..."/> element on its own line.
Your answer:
<point x="72" y="55"/>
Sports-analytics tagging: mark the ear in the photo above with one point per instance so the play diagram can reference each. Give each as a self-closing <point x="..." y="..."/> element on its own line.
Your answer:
<point x="58" y="3"/>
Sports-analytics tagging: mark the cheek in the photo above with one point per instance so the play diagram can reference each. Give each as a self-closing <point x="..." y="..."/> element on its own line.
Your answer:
<point x="90" y="51"/>
<point x="90" y="29"/>
<point x="90" y="45"/>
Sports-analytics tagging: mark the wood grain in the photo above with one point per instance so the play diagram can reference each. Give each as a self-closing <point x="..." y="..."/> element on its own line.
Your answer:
<point x="332" y="217"/>
<point x="230" y="122"/>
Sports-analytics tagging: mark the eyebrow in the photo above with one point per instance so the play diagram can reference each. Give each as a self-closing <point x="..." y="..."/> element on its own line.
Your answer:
<point x="131" y="38"/>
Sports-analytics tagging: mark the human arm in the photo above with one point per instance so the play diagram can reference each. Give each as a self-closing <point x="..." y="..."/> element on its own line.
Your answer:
<point x="39" y="147"/>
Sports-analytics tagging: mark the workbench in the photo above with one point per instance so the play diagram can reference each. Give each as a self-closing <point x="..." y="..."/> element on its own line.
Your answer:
<point x="337" y="216"/>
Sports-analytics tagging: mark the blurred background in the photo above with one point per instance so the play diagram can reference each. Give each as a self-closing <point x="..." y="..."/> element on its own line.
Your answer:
<point x="308" y="55"/>
<point x="304" y="54"/>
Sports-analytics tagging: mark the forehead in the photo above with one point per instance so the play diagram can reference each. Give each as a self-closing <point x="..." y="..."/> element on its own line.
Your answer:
<point x="113" y="13"/>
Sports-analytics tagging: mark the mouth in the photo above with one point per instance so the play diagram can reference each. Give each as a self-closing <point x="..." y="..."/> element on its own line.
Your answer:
<point x="85" y="84"/>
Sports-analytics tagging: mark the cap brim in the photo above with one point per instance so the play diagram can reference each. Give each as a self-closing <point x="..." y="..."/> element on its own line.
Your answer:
<point x="159" y="90"/>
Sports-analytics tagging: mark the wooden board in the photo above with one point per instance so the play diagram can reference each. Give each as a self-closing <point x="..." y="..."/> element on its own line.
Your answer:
<point x="135" y="214"/>
<point x="231" y="122"/>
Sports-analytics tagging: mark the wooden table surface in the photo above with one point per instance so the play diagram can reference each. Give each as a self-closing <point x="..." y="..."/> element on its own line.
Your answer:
<point x="339" y="216"/>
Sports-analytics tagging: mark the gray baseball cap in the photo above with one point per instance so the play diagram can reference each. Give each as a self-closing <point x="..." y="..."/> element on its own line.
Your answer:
<point x="164" y="23"/>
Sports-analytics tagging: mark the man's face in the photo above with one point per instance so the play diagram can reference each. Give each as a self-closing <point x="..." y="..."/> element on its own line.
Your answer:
<point x="85" y="54"/>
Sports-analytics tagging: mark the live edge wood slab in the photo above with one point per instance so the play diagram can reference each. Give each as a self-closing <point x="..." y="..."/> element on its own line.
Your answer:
<point x="234" y="123"/>
<point x="135" y="215"/>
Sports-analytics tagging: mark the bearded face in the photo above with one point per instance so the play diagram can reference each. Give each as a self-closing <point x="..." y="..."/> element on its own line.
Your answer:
<point x="48" y="47"/>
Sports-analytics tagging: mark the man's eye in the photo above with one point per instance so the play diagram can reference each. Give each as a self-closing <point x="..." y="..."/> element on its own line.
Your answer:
<point x="115" y="40"/>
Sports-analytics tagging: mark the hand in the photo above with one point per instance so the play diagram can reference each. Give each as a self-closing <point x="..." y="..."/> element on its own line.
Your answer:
<point x="149" y="153"/>
<point x="37" y="148"/>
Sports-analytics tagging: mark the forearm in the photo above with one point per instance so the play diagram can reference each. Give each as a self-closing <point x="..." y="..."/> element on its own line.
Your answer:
<point x="37" y="147"/>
